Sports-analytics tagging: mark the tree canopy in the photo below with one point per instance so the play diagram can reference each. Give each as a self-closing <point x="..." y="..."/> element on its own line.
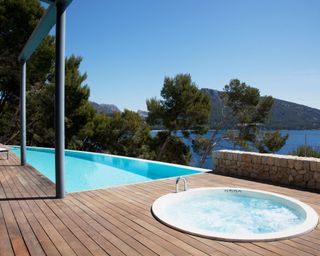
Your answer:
<point x="122" y="133"/>
<point x="18" y="19"/>
<point x="251" y="111"/>
<point x="183" y="107"/>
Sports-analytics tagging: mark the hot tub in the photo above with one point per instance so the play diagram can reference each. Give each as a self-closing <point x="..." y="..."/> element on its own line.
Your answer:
<point x="235" y="214"/>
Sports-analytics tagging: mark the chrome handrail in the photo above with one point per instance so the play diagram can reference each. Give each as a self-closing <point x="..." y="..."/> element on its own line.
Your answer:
<point x="185" y="184"/>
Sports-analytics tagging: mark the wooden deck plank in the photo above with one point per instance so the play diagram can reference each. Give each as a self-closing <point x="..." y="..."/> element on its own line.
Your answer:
<point x="16" y="238"/>
<point x="5" y="243"/>
<point x="118" y="221"/>
<point x="132" y="228"/>
<point x="93" y="247"/>
<point x="41" y="235"/>
<point x="96" y="214"/>
<point x="55" y="236"/>
<point x="88" y="227"/>
<point x="6" y="183"/>
<point x="30" y="239"/>
<point x="105" y="228"/>
<point x="147" y="247"/>
<point x="71" y="239"/>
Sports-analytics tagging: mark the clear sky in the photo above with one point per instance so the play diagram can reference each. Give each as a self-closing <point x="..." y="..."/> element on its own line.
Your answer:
<point x="129" y="46"/>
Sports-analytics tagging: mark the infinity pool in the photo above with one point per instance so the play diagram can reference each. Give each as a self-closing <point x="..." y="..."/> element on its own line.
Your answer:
<point x="85" y="170"/>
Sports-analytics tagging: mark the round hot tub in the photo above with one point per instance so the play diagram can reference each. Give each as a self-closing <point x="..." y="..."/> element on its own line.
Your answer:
<point x="235" y="214"/>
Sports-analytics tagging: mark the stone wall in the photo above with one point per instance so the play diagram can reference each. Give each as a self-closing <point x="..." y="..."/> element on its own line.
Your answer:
<point x="301" y="172"/>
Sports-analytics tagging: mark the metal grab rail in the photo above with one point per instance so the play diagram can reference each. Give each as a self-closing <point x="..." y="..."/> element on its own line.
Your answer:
<point x="184" y="181"/>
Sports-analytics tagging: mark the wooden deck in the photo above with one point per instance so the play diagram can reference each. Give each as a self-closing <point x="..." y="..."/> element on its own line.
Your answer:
<point x="117" y="221"/>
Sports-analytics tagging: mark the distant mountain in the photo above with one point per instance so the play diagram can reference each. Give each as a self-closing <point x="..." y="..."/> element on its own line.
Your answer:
<point x="105" y="108"/>
<point x="284" y="114"/>
<point x="143" y="114"/>
<point x="217" y="107"/>
<point x="288" y="115"/>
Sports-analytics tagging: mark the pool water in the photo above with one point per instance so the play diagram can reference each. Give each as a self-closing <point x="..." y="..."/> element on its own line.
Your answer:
<point x="85" y="170"/>
<point x="231" y="214"/>
<point x="235" y="214"/>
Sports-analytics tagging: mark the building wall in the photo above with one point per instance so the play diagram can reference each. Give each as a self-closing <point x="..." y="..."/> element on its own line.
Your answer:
<point x="301" y="172"/>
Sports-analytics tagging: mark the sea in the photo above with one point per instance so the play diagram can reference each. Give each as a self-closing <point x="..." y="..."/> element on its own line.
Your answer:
<point x="296" y="138"/>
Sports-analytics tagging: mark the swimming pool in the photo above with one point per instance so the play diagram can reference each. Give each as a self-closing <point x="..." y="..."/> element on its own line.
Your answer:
<point x="235" y="214"/>
<point x="86" y="170"/>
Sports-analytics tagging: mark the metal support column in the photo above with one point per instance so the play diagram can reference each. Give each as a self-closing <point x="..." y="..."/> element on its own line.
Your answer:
<point x="23" y="113"/>
<point x="59" y="100"/>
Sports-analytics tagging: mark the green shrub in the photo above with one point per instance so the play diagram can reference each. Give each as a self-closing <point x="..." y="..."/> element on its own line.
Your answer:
<point x="306" y="151"/>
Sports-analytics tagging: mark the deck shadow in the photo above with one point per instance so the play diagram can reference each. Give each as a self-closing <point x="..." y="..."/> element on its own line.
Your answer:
<point x="10" y="165"/>
<point x="27" y="198"/>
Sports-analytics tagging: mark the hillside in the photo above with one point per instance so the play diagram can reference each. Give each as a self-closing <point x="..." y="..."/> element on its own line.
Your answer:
<point x="294" y="116"/>
<point x="284" y="114"/>
<point x="105" y="108"/>
<point x="143" y="114"/>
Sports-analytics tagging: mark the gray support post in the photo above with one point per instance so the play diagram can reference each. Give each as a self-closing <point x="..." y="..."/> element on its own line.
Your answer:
<point x="59" y="100"/>
<point x="23" y="130"/>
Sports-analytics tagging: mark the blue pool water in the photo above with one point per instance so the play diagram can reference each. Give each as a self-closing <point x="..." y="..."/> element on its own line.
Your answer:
<point x="85" y="171"/>
<point x="240" y="214"/>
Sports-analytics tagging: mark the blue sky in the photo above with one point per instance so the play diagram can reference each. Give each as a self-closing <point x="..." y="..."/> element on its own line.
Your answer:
<point x="129" y="46"/>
